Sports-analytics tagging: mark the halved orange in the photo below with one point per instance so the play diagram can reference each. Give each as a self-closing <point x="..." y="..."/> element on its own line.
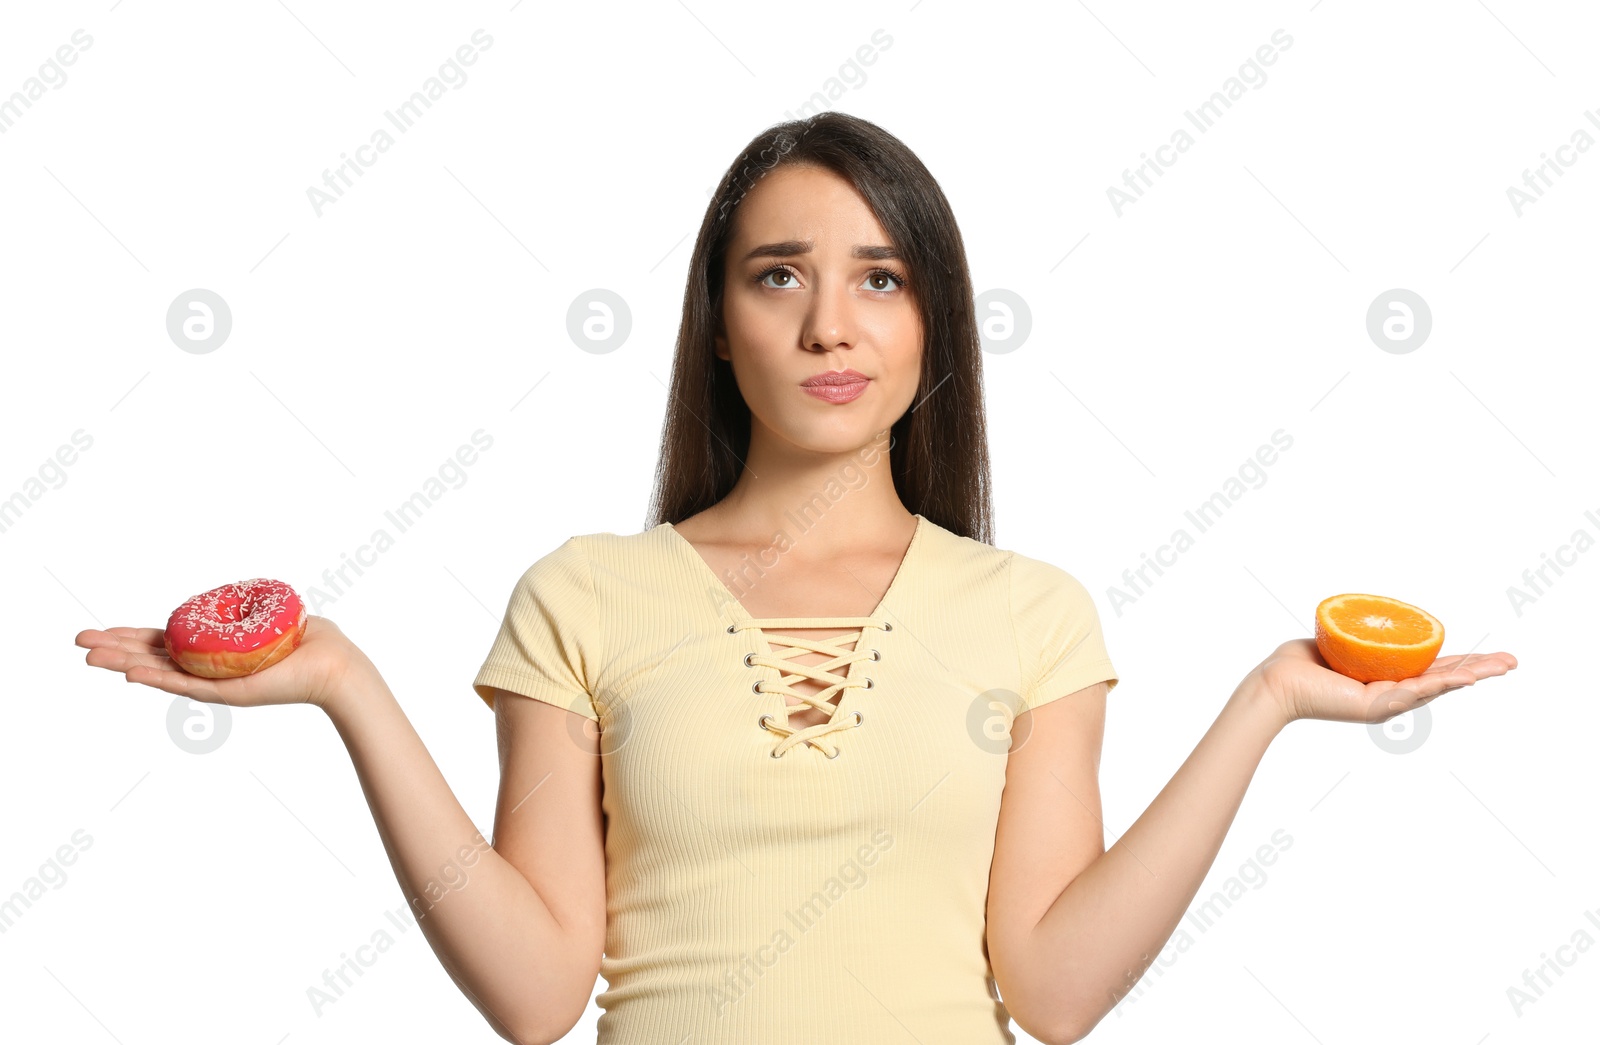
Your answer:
<point x="1373" y="637"/>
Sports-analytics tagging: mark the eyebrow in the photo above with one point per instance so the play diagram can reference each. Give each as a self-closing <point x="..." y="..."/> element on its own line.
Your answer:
<point x="789" y="248"/>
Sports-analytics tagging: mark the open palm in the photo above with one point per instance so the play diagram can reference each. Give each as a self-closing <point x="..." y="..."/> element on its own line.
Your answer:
<point x="1306" y="687"/>
<point x="305" y="676"/>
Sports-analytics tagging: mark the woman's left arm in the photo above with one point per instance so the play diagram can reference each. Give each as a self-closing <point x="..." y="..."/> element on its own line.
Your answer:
<point x="1072" y="926"/>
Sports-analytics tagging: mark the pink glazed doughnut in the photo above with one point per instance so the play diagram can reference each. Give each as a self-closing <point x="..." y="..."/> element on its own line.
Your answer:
<point x="236" y="629"/>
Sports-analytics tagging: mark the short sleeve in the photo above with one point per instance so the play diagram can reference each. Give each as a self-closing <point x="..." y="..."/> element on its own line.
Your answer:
<point x="1059" y="641"/>
<point x="547" y="647"/>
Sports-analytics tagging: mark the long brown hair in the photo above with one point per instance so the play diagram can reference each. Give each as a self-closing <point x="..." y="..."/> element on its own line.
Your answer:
<point x="939" y="455"/>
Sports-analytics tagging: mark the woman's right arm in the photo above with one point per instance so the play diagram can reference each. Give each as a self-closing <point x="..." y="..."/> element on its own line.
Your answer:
<point x="519" y="927"/>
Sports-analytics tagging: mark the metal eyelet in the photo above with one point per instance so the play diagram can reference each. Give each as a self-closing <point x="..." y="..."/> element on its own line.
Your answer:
<point x="773" y="754"/>
<point x="875" y="655"/>
<point x="837" y="753"/>
<point x="887" y="626"/>
<point x="755" y="687"/>
<point x="869" y="683"/>
<point x="762" y="722"/>
<point x="747" y="657"/>
<point x="730" y="629"/>
<point x="860" y="718"/>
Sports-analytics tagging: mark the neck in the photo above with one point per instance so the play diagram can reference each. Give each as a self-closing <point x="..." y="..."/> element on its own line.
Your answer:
<point x="823" y="503"/>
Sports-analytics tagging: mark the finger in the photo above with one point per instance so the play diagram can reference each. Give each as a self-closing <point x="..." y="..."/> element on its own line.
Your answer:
<point x="1466" y="674"/>
<point x="149" y="636"/>
<point x="125" y="638"/>
<point x="179" y="682"/>
<point x="1300" y="649"/>
<point x="1484" y="663"/>
<point x="115" y="658"/>
<point x="105" y="640"/>
<point x="1425" y="687"/>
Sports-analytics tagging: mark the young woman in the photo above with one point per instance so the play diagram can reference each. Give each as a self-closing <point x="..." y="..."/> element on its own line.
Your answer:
<point x="808" y="759"/>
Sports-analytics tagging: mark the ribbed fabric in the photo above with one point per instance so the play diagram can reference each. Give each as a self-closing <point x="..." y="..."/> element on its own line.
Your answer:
<point x="798" y="899"/>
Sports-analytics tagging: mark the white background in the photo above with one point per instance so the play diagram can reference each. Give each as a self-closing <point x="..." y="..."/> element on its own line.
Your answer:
<point x="1167" y="345"/>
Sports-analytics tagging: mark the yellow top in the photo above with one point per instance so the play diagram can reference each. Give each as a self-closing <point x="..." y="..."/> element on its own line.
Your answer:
<point x="797" y="885"/>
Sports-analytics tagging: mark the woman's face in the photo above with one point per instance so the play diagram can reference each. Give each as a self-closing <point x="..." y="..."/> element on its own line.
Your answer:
<point x="823" y="292"/>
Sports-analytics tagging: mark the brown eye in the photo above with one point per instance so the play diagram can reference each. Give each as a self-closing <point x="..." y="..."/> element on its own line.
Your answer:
<point x="894" y="280"/>
<point x="776" y="270"/>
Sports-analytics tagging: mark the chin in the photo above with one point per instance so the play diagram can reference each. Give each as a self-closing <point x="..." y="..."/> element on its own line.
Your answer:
<point x="840" y="437"/>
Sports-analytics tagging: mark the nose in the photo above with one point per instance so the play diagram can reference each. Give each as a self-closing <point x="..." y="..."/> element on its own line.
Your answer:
<point x="830" y="318"/>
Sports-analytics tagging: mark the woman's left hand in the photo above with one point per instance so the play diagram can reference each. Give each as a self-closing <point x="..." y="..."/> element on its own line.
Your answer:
<point x="1302" y="685"/>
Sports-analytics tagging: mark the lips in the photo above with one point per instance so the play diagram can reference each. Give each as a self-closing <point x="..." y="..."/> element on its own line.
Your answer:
<point x="835" y="377"/>
<point x="836" y="386"/>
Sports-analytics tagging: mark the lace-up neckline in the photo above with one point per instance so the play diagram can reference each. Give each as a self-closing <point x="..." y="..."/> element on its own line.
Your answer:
<point x="835" y="674"/>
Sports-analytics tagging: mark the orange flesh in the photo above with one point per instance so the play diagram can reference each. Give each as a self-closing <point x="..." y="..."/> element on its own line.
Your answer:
<point x="1381" y="623"/>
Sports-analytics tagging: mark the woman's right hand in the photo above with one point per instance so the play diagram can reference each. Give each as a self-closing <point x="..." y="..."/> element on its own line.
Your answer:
<point x="309" y="675"/>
